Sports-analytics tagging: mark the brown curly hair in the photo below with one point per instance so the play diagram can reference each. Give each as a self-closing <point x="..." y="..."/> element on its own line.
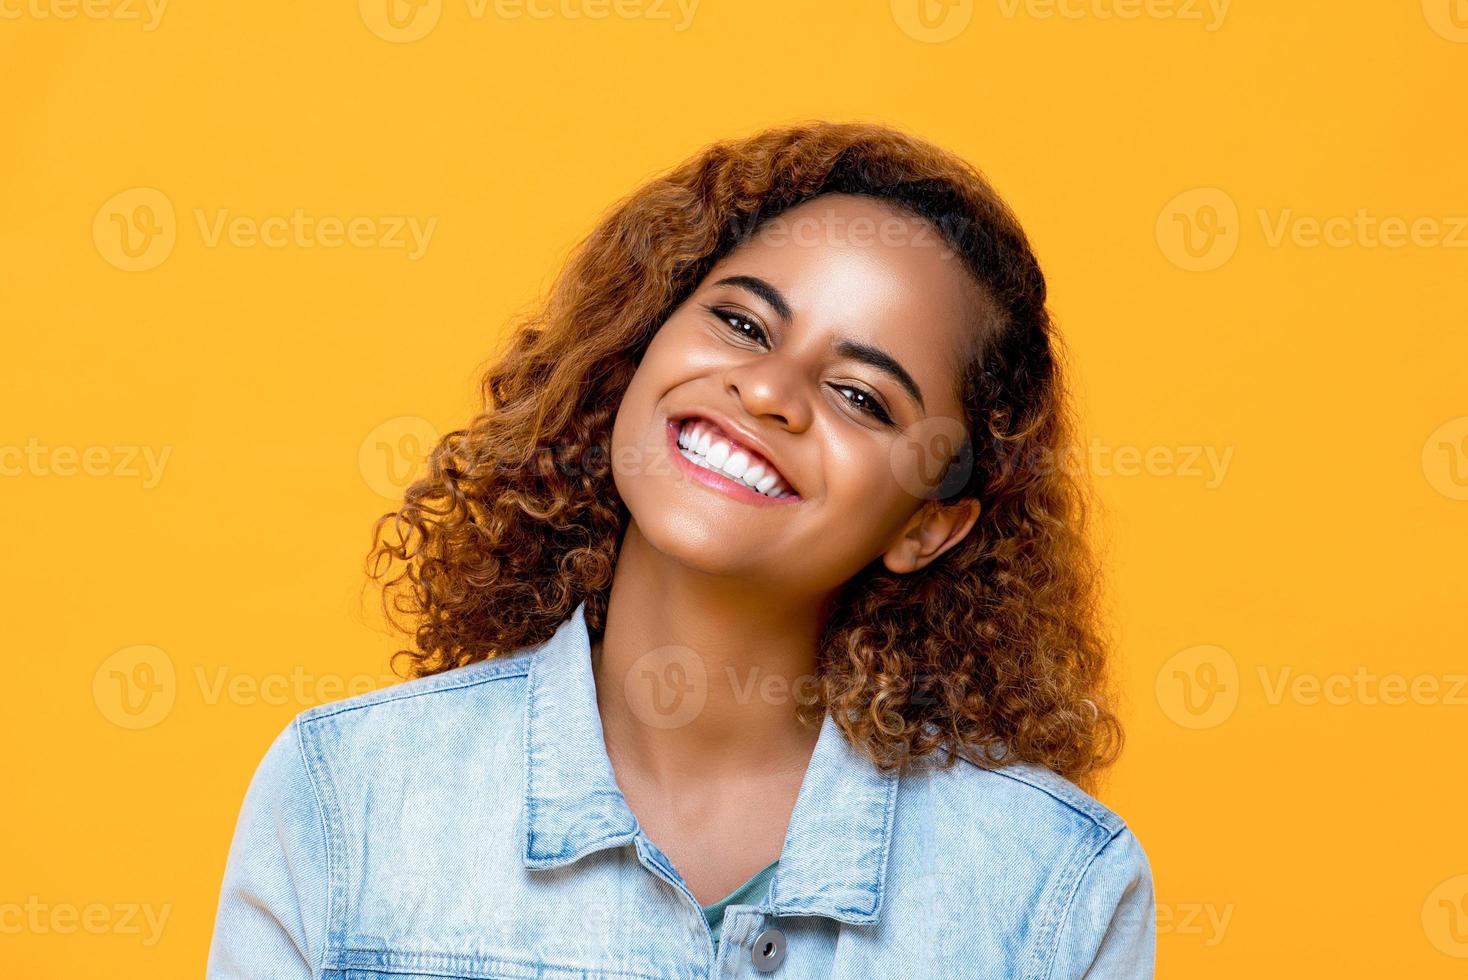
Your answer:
<point x="993" y="652"/>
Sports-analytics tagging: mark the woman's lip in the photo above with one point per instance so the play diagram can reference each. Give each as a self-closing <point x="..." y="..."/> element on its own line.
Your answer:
<point x="739" y="443"/>
<point x="719" y="481"/>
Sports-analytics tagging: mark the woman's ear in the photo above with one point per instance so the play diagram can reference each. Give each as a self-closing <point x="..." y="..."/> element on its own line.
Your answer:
<point x="932" y="530"/>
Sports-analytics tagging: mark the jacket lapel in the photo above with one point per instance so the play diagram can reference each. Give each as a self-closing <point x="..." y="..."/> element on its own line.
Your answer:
<point x="834" y="859"/>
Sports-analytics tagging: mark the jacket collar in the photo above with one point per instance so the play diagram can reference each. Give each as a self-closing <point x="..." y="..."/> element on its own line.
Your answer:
<point x="834" y="860"/>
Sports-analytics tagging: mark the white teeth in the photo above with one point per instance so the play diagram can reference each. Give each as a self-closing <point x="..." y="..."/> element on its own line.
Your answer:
<point x="700" y="446"/>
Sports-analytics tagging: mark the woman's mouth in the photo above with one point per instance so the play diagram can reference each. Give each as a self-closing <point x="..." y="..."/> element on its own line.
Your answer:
<point x="711" y="457"/>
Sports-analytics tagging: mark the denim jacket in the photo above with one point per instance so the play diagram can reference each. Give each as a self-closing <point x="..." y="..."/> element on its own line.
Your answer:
<point x="468" y="825"/>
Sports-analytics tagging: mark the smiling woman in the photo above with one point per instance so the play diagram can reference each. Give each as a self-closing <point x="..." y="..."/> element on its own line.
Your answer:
<point x="754" y="626"/>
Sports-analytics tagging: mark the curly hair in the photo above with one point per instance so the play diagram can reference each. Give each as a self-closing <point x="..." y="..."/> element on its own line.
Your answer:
<point x="994" y="652"/>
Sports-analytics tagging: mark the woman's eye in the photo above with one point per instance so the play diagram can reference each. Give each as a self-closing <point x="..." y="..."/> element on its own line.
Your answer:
<point x="737" y="322"/>
<point x="866" y="402"/>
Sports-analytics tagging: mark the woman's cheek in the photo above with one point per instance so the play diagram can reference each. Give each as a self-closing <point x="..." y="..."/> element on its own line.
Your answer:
<point x="863" y="483"/>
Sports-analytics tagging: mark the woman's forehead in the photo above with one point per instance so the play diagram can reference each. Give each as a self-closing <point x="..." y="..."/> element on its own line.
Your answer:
<point x="896" y="283"/>
<point x="860" y="248"/>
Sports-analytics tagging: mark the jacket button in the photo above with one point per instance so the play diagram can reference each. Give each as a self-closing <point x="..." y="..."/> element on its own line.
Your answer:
<point x="768" y="950"/>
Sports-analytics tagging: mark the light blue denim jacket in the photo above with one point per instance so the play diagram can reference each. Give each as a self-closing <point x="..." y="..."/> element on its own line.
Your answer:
<point x="468" y="824"/>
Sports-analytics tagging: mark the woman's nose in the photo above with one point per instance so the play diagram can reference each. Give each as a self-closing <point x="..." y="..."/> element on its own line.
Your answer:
<point x="770" y="388"/>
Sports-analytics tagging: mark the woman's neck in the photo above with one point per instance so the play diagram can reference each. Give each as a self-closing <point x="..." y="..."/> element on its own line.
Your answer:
<point x="699" y="677"/>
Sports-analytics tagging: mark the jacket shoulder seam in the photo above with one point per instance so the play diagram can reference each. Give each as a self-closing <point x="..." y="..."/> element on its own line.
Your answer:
<point x="488" y="670"/>
<point x="315" y="761"/>
<point x="1072" y="797"/>
<point x="1056" y="928"/>
<point x="311" y="763"/>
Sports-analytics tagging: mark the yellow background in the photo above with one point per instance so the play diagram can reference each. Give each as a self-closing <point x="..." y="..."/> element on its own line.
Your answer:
<point x="1152" y="155"/>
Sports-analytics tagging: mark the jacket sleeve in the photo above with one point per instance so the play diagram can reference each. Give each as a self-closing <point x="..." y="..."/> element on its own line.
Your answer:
<point x="272" y="912"/>
<point x="1109" y="932"/>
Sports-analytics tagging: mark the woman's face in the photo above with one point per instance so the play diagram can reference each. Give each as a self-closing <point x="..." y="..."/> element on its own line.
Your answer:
<point x="825" y="352"/>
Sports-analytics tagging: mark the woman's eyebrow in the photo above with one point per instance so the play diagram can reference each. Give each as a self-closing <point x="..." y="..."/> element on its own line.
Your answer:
<point x="882" y="361"/>
<point x="761" y="289"/>
<point x="846" y="347"/>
